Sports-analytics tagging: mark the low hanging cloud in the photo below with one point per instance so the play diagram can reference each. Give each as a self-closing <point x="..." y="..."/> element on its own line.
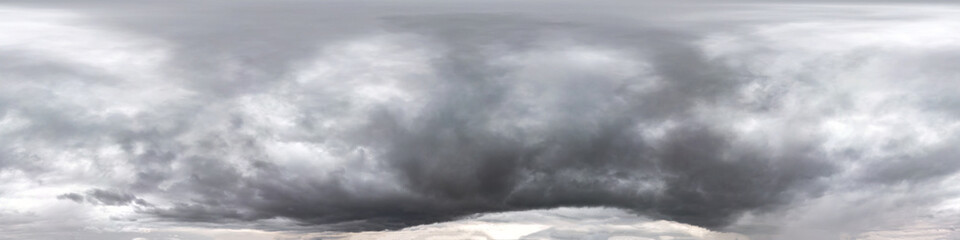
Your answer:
<point x="775" y="121"/>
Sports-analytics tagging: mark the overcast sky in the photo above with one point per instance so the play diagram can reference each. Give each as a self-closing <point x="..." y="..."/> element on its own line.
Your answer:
<point x="723" y="120"/>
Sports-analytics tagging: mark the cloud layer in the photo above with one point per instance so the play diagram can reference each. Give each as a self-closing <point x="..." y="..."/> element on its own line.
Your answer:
<point x="778" y="121"/>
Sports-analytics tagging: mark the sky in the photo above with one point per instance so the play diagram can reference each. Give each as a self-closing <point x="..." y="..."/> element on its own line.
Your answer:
<point x="428" y="119"/>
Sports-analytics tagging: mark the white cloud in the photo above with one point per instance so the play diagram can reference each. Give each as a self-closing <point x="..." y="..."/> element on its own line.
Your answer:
<point x="126" y="78"/>
<point x="846" y="85"/>
<point x="558" y="223"/>
<point x="861" y="88"/>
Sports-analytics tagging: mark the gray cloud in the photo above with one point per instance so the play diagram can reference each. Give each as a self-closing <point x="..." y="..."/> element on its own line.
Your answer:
<point x="105" y="197"/>
<point x="350" y="117"/>
<point x="72" y="197"/>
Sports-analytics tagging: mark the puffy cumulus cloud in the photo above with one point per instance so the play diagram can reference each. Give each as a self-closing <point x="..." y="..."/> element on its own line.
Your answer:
<point x="777" y="121"/>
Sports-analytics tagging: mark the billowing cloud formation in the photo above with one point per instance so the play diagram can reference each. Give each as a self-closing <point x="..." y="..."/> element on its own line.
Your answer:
<point x="764" y="119"/>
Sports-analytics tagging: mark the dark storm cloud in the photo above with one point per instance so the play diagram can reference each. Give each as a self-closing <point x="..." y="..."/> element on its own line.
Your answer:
<point x="453" y="164"/>
<point x="510" y="110"/>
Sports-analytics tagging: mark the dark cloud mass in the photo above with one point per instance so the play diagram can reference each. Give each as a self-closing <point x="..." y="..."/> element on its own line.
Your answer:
<point x="354" y="116"/>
